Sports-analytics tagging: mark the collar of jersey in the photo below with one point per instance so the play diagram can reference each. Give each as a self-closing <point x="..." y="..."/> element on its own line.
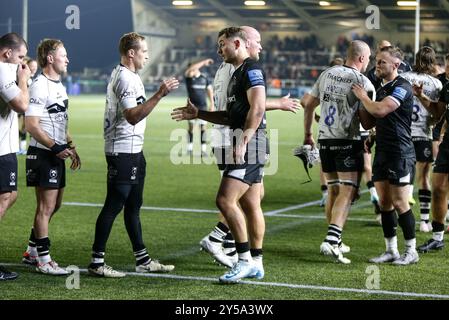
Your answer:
<point x="55" y="81"/>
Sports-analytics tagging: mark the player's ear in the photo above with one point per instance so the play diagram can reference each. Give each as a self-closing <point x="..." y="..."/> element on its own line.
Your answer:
<point x="8" y="53"/>
<point x="50" y="58"/>
<point x="131" y="53"/>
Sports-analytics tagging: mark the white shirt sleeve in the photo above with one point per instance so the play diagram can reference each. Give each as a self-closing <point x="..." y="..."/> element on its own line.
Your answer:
<point x="38" y="99"/>
<point x="8" y="87"/>
<point x="125" y="92"/>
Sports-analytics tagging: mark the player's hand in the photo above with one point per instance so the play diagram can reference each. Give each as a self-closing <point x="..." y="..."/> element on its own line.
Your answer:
<point x="76" y="161"/>
<point x="359" y="91"/>
<point x="188" y="112"/>
<point x="209" y="62"/>
<point x="289" y="104"/>
<point x="23" y="73"/>
<point x="239" y="153"/>
<point x="168" y="85"/>
<point x="317" y="117"/>
<point x="418" y="89"/>
<point x="369" y="142"/>
<point x="64" y="154"/>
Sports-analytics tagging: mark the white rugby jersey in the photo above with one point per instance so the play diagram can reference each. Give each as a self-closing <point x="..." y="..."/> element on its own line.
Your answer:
<point x="338" y="103"/>
<point x="49" y="102"/>
<point x="9" y="127"/>
<point x="420" y="116"/>
<point x="125" y="91"/>
<point x="220" y="133"/>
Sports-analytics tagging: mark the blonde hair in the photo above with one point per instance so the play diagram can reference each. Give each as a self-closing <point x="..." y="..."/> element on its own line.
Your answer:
<point x="46" y="47"/>
<point x="130" y="41"/>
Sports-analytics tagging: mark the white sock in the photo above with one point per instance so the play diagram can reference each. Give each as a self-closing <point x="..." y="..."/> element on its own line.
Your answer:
<point x="438" y="236"/>
<point x="246" y="256"/>
<point x="410" y="245"/>
<point x="391" y="244"/>
<point x="258" y="260"/>
<point x="203" y="147"/>
<point x="373" y="192"/>
<point x="189" y="146"/>
<point x="23" y="145"/>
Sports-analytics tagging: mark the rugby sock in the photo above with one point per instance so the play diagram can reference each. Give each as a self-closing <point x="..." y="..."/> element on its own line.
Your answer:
<point x="438" y="231"/>
<point x="257" y="255"/>
<point x="31" y="249"/>
<point x="142" y="257"/>
<point x="424" y="204"/>
<point x="243" y="251"/>
<point x="333" y="234"/>
<point x="407" y="223"/>
<point x="391" y="244"/>
<point x="229" y="245"/>
<point x="324" y="190"/>
<point x="389" y="223"/>
<point x="372" y="189"/>
<point x="219" y="232"/>
<point x="97" y="259"/>
<point x="190" y="137"/>
<point x="43" y="250"/>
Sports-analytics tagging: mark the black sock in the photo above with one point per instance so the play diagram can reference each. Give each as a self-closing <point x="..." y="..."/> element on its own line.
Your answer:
<point x="389" y="223"/>
<point x="32" y="239"/>
<point x="203" y="136"/>
<point x="190" y="137"/>
<point x="256" y="252"/>
<point x="407" y="223"/>
<point x="370" y="184"/>
<point x="97" y="259"/>
<point x="437" y="227"/>
<point x="43" y="248"/>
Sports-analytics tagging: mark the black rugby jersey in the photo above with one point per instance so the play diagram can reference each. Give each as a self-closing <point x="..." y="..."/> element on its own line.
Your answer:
<point x="197" y="90"/>
<point x="444" y="97"/>
<point x="393" y="132"/>
<point x="248" y="75"/>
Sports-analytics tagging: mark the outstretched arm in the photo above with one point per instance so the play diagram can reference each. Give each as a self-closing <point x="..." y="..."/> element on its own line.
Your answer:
<point x="285" y="104"/>
<point x="139" y="112"/>
<point x="190" y="112"/>
<point x="191" y="70"/>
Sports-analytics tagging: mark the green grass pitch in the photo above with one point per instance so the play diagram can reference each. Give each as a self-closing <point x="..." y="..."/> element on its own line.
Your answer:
<point x="294" y="268"/>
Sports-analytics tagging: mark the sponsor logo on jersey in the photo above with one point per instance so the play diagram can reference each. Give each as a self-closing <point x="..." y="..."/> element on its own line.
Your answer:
<point x="327" y="97"/>
<point x="231" y="99"/>
<point x="339" y="78"/>
<point x="126" y="94"/>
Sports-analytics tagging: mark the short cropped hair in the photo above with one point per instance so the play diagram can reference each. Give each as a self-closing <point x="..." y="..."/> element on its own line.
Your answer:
<point x="46" y="47"/>
<point x="232" y="32"/>
<point x="130" y="41"/>
<point x="12" y="41"/>
<point x="395" y="52"/>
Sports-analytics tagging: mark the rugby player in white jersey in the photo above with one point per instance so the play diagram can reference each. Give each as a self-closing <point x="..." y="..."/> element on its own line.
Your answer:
<point x="422" y="121"/>
<point x="124" y="126"/>
<point x="14" y="75"/>
<point x="341" y="149"/>
<point x="46" y="120"/>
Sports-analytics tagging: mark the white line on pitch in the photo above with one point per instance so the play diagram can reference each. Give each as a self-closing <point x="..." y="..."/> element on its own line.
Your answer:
<point x="308" y="204"/>
<point x="279" y="284"/>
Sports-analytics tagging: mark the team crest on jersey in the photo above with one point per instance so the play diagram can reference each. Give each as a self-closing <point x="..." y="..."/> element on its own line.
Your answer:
<point x="133" y="173"/>
<point x="427" y="152"/>
<point x="53" y="175"/>
<point x="399" y="93"/>
<point x="12" y="178"/>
